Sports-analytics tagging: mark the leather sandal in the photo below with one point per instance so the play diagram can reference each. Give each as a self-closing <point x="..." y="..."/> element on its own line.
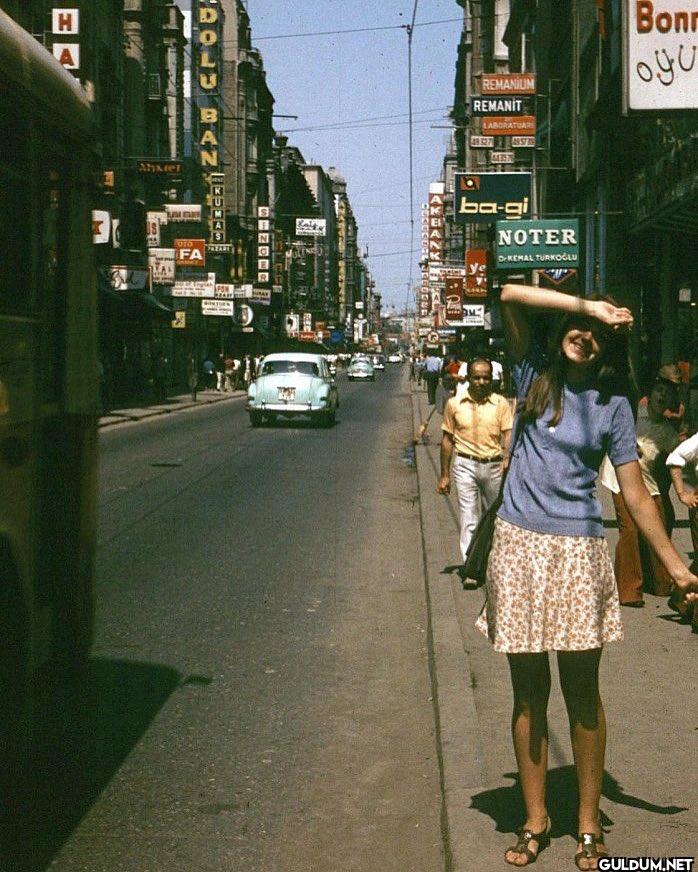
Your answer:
<point x="524" y="839"/>
<point x="590" y="843"/>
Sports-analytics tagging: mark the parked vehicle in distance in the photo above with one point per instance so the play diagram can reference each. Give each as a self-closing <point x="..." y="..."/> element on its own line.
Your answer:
<point x="395" y="357"/>
<point x="292" y="384"/>
<point x="361" y="368"/>
<point x="379" y="361"/>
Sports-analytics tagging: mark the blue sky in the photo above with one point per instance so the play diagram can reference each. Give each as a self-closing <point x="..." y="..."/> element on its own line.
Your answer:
<point x="346" y="77"/>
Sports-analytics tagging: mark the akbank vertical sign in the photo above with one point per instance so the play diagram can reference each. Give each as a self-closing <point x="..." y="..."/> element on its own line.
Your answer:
<point x="207" y="36"/>
<point x="660" y="42"/>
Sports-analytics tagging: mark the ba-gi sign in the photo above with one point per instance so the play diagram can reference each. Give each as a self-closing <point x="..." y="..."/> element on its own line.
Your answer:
<point x="473" y="316"/>
<point x="311" y="226"/>
<point x="190" y="252"/>
<point x="489" y="197"/>
<point x="660" y="41"/>
<point x="530" y="244"/>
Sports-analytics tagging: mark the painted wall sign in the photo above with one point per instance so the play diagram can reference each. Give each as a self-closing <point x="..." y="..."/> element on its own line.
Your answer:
<point x="660" y="42"/>
<point x="527" y="244"/>
<point x="488" y="197"/>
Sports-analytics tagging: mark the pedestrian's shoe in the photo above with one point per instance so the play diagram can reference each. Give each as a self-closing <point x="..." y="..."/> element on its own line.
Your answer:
<point x="523" y="842"/>
<point x="634" y="604"/>
<point x="590" y="843"/>
<point x="682" y="610"/>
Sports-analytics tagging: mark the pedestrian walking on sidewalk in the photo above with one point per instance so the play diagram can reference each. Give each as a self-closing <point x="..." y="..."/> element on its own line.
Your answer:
<point x="192" y="377"/>
<point x="432" y="374"/>
<point x="637" y="567"/>
<point x="683" y="468"/>
<point x="220" y="372"/>
<point x="477" y="425"/>
<point x="550" y="583"/>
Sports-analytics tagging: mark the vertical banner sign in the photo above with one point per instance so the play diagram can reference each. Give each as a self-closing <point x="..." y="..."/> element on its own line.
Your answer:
<point x="65" y="30"/>
<point x="264" y="244"/>
<point x="216" y="222"/>
<point x="437" y="197"/>
<point x="425" y="231"/>
<point x="476" y="272"/>
<point x="207" y="36"/>
<point x="454" y="299"/>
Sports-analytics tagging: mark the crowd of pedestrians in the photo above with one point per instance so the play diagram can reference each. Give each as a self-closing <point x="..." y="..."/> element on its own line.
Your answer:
<point x="550" y="584"/>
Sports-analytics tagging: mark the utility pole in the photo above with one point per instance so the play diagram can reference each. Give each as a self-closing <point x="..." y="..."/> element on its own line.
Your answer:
<point x="410" y="32"/>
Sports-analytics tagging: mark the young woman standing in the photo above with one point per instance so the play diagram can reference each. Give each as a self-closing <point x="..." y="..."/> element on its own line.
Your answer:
<point x="550" y="583"/>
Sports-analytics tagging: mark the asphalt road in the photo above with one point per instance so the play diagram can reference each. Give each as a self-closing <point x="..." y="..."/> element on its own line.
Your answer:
<point x="260" y="695"/>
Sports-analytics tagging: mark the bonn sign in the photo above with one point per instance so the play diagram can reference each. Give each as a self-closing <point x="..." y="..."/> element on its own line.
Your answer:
<point x="484" y="198"/>
<point x="531" y="244"/>
<point x="660" y="40"/>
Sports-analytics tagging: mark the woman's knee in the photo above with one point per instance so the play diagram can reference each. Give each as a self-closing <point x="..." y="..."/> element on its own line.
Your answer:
<point x="579" y="681"/>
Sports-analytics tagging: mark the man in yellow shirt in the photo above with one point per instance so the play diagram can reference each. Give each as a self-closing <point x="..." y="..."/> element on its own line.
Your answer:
<point x="477" y="426"/>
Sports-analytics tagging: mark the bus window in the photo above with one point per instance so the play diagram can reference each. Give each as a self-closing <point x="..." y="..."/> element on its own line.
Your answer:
<point x="52" y="270"/>
<point x="15" y="215"/>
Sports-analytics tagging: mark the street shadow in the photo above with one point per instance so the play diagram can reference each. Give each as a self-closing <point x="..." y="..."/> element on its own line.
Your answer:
<point x="83" y="736"/>
<point x="505" y="806"/>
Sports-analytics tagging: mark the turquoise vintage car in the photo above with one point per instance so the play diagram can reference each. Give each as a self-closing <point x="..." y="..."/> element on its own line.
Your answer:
<point x="291" y="384"/>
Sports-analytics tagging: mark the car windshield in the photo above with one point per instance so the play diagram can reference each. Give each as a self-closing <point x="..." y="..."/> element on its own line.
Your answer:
<point x="277" y="367"/>
<point x="361" y="364"/>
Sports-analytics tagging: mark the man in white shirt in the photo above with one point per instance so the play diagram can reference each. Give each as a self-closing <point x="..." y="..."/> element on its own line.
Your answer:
<point x="683" y="468"/>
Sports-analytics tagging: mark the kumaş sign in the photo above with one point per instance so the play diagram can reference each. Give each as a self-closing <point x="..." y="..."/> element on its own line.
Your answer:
<point x="537" y="244"/>
<point x="659" y="53"/>
<point x="487" y="197"/>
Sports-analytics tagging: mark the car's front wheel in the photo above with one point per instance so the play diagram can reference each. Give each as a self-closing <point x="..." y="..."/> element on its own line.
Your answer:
<point x="256" y="419"/>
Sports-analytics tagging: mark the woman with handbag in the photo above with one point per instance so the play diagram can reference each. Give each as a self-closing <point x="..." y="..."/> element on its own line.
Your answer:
<point x="550" y="583"/>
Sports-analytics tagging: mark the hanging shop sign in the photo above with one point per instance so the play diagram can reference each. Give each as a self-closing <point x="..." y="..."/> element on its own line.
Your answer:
<point x="477" y="141"/>
<point x="439" y="272"/>
<point x="481" y="106"/>
<point x="311" y="226"/>
<point x="218" y="307"/>
<point x="265" y="230"/>
<point x="508" y="83"/>
<point x="562" y="279"/>
<point x="528" y="244"/>
<point x="502" y="157"/>
<point x="476" y="272"/>
<point x="179" y="322"/>
<point x="161" y="262"/>
<point x="292" y="323"/>
<point x="487" y="197"/>
<point x="190" y="252"/>
<point x="224" y="291"/>
<point x="207" y="32"/>
<point x="509" y="125"/>
<point x="154" y="221"/>
<point x="65" y="24"/>
<point x="261" y="295"/>
<point x="182" y="213"/>
<point x="437" y="199"/>
<point x="307" y="321"/>
<point x="101" y="227"/>
<point x="523" y="141"/>
<point x="215" y="248"/>
<point x="216" y="216"/>
<point x="167" y="169"/>
<point x="242" y="292"/>
<point x="454" y="299"/>
<point x="244" y="315"/>
<point x="195" y="287"/>
<point x="307" y="336"/>
<point x="659" y="55"/>
<point x="123" y="278"/>
<point x="473" y="316"/>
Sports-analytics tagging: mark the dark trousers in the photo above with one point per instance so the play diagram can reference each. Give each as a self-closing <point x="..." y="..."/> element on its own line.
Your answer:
<point x="432" y="380"/>
<point x="637" y="566"/>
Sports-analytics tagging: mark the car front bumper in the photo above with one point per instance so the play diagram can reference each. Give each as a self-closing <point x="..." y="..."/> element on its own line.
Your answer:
<point x="288" y="408"/>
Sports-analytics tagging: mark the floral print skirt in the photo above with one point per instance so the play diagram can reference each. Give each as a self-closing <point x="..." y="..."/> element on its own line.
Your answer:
<point x="549" y="593"/>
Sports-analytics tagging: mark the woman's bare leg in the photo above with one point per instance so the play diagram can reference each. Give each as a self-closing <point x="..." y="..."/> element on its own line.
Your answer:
<point x="579" y="679"/>
<point x="530" y="679"/>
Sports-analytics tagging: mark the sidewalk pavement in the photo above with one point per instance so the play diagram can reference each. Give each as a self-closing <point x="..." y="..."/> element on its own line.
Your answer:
<point x="170" y="404"/>
<point x="650" y="790"/>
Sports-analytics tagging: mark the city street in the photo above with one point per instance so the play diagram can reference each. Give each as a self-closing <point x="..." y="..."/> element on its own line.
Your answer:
<point x="260" y="696"/>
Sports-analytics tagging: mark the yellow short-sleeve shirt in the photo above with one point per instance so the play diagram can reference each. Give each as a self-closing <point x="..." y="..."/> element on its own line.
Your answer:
<point x="477" y="427"/>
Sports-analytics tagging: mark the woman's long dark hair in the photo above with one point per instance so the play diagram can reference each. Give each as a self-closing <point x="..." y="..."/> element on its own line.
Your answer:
<point x="613" y="376"/>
